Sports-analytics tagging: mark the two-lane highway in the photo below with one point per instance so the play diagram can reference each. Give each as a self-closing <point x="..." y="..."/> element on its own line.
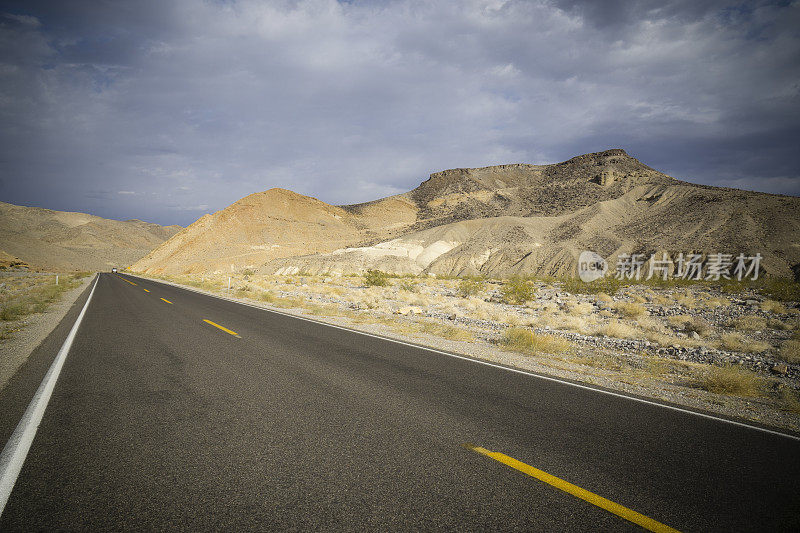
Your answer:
<point x="177" y="410"/>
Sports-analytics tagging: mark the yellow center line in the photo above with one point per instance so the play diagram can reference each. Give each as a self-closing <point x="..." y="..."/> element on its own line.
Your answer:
<point x="166" y="301"/>
<point x="612" y="507"/>
<point x="223" y="328"/>
<point x="145" y="290"/>
<point x="126" y="280"/>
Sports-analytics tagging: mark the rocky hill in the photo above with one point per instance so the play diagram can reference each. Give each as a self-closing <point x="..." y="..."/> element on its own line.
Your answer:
<point x="495" y="221"/>
<point x="275" y="224"/>
<point x="58" y="240"/>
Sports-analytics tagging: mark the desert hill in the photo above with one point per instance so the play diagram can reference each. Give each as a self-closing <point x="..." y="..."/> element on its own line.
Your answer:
<point x="495" y="221"/>
<point x="58" y="240"/>
<point x="672" y="219"/>
<point x="274" y="224"/>
<point x="530" y="190"/>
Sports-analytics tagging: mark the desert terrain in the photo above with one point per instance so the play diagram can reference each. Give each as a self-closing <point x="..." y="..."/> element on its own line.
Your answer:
<point x="482" y="261"/>
<point x="486" y="258"/>
<point x="44" y="239"/>
<point x="498" y="221"/>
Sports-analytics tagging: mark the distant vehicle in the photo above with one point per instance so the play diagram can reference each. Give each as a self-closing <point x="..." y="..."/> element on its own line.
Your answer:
<point x="114" y="270"/>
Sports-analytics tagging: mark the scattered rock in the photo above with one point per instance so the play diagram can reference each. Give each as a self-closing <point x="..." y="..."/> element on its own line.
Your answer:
<point x="780" y="368"/>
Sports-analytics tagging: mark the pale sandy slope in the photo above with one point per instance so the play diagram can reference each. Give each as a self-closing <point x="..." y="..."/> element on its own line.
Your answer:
<point x="495" y="221"/>
<point x="58" y="240"/>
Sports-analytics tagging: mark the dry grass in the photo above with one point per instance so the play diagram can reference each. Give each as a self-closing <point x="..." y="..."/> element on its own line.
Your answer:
<point x="266" y="296"/>
<point x="658" y="367"/>
<point x="34" y="294"/>
<point x="659" y="299"/>
<point x="476" y="307"/>
<point x="603" y="298"/>
<point x="714" y="302"/>
<point x="496" y="314"/>
<point x="630" y="309"/>
<point x="470" y="287"/>
<point x="585" y="325"/>
<point x="791" y="401"/>
<point x="527" y="341"/>
<point x="687" y="300"/>
<point x="324" y="310"/>
<point x="678" y="321"/>
<point x="408" y="285"/>
<point x="689" y="324"/>
<point x="775" y="323"/>
<point x="325" y="290"/>
<point x="580" y="309"/>
<point x="649" y="323"/>
<point x="737" y="343"/>
<point x="242" y="292"/>
<point x="771" y="306"/>
<point x="598" y="360"/>
<point x="445" y="331"/>
<point x="698" y="325"/>
<point x="731" y="380"/>
<point x="750" y="323"/>
<point x="659" y="338"/>
<point x="415" y="299"/>
<point x="790" y="351"/>
<point x="289" y="303"/>
<point x="201" y="284"/>
<point x="619" y="330"/>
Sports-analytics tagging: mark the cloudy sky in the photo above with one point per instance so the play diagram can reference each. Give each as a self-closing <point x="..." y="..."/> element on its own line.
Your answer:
<point x="164" y="111"/>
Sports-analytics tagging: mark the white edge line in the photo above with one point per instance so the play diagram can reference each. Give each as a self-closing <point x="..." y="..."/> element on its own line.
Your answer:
<point x="487" y="363"/>
<point x="16" y="449"/>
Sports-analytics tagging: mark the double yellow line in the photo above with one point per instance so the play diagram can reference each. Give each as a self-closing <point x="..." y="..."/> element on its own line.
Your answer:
<point x="585" y="495"/>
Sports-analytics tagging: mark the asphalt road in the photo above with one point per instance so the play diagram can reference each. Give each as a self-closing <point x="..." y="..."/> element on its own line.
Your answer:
<point x="163" y="421"/>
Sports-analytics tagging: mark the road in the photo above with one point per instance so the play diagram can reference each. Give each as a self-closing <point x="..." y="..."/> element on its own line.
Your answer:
<point x="160" y="419"/>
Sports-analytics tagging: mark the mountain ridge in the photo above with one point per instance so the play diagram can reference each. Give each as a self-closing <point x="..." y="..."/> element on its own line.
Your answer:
<point x="535" y="219"/>
<point x="67" y="240"/>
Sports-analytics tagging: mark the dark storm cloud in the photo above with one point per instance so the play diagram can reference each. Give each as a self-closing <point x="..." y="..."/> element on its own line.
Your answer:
<point x="173" y="109"/>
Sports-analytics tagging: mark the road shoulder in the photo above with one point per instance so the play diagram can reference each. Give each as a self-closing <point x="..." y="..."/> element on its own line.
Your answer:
<point x="33" y="329"/>
<point x="36" y="353"/>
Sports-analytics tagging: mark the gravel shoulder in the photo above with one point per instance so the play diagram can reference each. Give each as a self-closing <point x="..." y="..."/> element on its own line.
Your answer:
<point x="28" y="332"/>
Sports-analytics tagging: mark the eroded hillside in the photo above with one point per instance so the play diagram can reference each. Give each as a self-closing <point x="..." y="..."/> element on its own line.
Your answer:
<point x="494" y="221"/>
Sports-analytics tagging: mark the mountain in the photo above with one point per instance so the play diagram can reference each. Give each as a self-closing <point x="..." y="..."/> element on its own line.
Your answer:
<point x="274" y="224"/>
<point x="495" y="221"/>
<point x="58" y="240"/>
